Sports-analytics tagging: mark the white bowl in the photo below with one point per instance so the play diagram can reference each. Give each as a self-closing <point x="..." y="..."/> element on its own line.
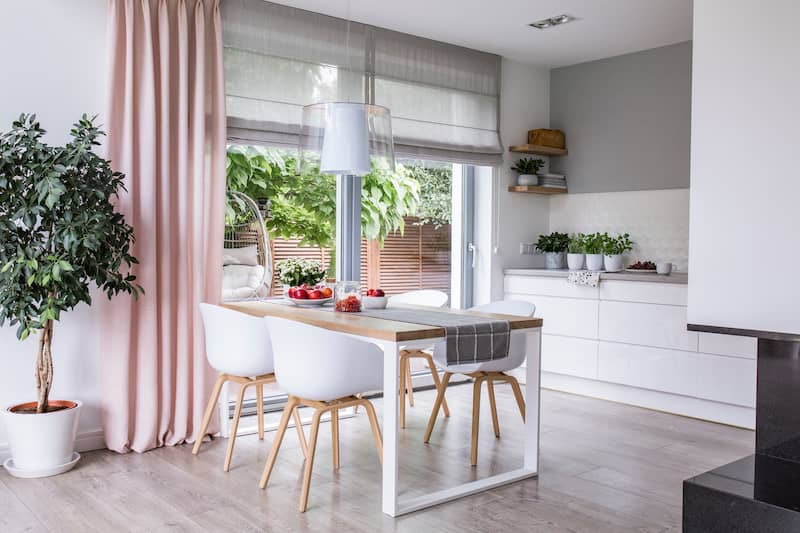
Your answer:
<point x="308" y="302"/>
<point x="374" y="302"/>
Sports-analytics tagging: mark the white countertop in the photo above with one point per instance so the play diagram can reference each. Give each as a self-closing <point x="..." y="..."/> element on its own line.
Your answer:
<point x="676" y="277"/>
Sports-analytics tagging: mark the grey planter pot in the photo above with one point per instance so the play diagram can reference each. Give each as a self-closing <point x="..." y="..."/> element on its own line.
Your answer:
<point x="554" y="260"/>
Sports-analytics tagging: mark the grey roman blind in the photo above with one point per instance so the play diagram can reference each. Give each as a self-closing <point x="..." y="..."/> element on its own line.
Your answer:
<point x="444" y="99"/>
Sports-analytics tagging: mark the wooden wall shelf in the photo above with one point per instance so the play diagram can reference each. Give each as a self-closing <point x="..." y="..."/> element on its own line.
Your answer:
<point x="536" y="189"/>
<point x="536" y="149"/>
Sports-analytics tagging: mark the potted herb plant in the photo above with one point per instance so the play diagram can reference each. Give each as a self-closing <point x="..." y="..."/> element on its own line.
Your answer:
<point x="296" y="271"/>
<point x="59" y="234"/>
<point x="576" y="253"/>
<point x="593" y="245"/>
<point x="553" y="247"/>
<point x="527" y="168"/>
<point x="614" y="248"/>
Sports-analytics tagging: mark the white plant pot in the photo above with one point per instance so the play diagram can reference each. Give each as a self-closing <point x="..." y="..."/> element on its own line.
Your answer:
<point x="41" y="444"/>
<point x="575" y="261"/>
<point x="527" y="179"/>
<point x="594" y="262"/>
<point x="613" y="263"/>
<point x="554" y="260"/>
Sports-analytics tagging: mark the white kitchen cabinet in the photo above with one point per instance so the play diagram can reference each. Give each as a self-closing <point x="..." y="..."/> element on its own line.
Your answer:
<point x="627" y="341"/>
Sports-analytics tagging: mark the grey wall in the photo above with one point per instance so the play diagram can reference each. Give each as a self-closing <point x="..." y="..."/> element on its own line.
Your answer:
<point x="626" y="120"/>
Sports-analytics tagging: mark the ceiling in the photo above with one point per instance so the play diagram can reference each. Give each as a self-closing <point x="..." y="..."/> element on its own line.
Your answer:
<point x="604" y="28"/>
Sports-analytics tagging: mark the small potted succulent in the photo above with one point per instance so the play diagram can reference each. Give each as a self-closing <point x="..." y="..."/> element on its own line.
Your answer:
<point x="576" y="251"/>
<point x="527" y="168"/>
<point x="614" y="248"/>
<point x="593" y="245"/>
<point x="553" y="247"/>
<point x="296" y="272"/>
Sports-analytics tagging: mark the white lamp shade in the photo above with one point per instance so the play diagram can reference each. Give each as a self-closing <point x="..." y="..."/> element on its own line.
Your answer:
<point x="345" y="137"/>
<point x="345" y="144"/>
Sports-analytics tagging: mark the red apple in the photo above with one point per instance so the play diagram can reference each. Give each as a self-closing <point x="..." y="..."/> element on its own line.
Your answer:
<point x="292" y="290"/>
<point x="316" y="294"/>
<point x="379" y="293"/>
<point x="371" y="292"/>
<point x="301" y="294"/>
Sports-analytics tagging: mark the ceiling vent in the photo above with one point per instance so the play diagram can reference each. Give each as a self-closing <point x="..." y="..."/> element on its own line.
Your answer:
<point x="551" y="22"/>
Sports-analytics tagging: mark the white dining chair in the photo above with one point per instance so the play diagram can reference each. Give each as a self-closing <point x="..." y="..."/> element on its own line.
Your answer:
<point x="238" y="347"/>
<point x="322" y="370"/>
<point x="426" y="298"/>
<point x="488" y="372"/>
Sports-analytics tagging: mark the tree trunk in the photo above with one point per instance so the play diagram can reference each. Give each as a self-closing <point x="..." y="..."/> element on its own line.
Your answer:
<point x="44" y="366"/>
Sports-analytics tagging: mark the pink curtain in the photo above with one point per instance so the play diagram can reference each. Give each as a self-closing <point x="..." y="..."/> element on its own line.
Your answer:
<point x="166" y="133"/>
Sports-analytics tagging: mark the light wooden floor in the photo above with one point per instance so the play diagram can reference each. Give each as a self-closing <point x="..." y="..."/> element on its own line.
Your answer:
<point x="605" y="467"/>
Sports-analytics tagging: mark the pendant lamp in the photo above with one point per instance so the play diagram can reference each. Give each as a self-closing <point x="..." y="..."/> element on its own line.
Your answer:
<point x="346" y="137"/>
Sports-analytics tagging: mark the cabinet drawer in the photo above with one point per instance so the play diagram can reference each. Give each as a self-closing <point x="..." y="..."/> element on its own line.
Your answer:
<point x="570" y="356"/>
<point x="732" y="345"/>
<point x="663" y="326"/>
<point x="548" y="287"/>
<point x="726" y="379"/>
<point x="648" y="368"/>
<point x="564" y="316"/>
<point x="643" y="292"/>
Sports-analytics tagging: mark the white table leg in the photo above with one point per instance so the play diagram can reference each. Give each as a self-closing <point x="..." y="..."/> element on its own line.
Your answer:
<point x="533" y="340"/>
<point x="391" y="386"/>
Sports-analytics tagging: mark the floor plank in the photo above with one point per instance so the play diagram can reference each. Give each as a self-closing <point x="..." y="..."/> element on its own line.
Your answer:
<point x="605" y="467"/>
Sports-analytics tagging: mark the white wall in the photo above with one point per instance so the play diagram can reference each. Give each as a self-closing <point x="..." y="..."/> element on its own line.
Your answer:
<point x="54" y="65"/>
<point x="743" y="218"/>
<point x="658" y="221"/>
<point x="517" y="217"/>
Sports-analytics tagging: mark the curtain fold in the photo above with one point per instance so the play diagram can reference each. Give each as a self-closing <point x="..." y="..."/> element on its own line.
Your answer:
<point x="166" y="133"/>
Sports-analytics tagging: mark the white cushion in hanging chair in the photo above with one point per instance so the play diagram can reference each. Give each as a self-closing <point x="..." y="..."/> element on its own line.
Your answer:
<point x="241" y="281"/>
<point x="246" y="255"/>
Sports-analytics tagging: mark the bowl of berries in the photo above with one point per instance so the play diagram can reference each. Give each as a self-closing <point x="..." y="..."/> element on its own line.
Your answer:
<point x="375" y="299"/>
<point x="310" y="296"/>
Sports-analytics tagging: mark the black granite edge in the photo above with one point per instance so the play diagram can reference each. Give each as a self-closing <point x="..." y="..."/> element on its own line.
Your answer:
<point x="770" y="335"/>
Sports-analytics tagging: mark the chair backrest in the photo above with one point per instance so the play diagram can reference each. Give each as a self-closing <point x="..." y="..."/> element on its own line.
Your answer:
<point x="426" y="297"/>
<point x="507" y="307"/>
<point x="236" y="343"/>
<point x="317" y="364"/>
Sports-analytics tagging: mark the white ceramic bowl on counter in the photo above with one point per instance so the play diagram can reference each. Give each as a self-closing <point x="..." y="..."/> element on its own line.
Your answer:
<point x="374" y="302"/>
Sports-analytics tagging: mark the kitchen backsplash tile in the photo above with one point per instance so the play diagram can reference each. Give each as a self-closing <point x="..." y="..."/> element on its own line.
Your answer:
<point x="658" y="221"/>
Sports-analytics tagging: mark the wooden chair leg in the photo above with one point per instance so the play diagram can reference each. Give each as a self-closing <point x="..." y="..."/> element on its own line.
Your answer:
<point x="493" y="405"/>
<point x="301" y="436"/>
<point x="436" y="405"/>
<point x="437" y="382"/>
<point x="235" y="426"/>
<point x="212" y="404"/>
<point x="476" y="412"/>
<point x="312" y="446"/>
<point x="291" y="406"/>
<point x="403" y="363"/>
<point x="409" y="383"/>
<point x="260" y="410"/>
<point x="517" y="394"/>
<point x="335" y="437"/>
<point x="376" y="428"/>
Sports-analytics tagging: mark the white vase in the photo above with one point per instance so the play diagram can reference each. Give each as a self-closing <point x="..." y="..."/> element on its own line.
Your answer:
<point x="575" y="261"/>
<point x="613" y="263"/>
<point x="527" y="179"/>
<point x="594" y="262"/>
<point x="41" y="444"/>
<point x="554" y="260"/>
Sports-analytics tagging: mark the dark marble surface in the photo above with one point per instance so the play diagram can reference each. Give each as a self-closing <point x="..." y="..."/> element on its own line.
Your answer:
<point x="740" y="332"/>
<point x="778" y="399"/>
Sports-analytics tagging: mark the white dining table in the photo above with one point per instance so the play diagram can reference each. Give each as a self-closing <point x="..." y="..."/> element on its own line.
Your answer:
<point x="391" y="337"/>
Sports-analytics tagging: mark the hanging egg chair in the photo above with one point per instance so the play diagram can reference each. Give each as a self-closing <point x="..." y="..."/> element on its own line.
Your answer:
<point x="246" y="259"/>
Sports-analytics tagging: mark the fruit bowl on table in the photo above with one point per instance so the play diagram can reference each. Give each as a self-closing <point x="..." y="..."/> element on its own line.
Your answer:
<point x="308" y="302"/>
<point x="374" y="302"/>
<point x="306" y="296"/>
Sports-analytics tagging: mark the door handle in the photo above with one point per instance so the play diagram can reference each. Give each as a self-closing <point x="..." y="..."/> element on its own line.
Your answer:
<point x="474" y="251"/>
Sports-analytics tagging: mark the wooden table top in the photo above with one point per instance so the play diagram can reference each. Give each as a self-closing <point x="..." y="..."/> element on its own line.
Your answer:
<point x="357" y="324"/>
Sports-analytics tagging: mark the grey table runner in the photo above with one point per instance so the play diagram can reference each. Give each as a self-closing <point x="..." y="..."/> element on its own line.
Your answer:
<point x="469" y="339"/>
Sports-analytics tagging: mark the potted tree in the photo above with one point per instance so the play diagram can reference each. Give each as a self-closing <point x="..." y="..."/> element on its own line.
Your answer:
<point x="576" y="251"/>
<point x="613" y="248"/>
<point x="553" y="247"/>
<point x="593" y="246"/>
<point x="59" y="234"/>
<point x="527" y="169"/>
